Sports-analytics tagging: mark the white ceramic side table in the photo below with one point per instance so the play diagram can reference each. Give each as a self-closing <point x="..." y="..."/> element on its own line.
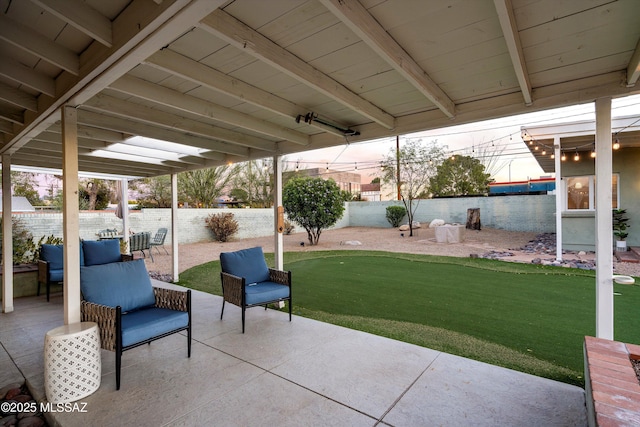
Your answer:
<point x="72" y="366"/>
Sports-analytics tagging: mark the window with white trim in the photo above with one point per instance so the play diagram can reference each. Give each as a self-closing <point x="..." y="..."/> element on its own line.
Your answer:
<point x="581" y="193"/>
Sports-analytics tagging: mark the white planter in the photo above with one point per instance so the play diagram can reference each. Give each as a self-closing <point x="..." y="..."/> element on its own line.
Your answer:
<point x="621" y="245"/>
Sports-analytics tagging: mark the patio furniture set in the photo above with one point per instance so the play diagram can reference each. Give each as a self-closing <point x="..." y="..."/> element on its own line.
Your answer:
<point x="121" y="307"/>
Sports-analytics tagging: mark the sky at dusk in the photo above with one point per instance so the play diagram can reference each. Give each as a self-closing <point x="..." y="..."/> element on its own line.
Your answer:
<point x="516" y="162"/>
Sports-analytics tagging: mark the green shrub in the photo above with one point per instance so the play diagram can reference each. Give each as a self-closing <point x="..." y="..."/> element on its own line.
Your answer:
<point x="395" y="214"/>
<point x="223" y="225"/>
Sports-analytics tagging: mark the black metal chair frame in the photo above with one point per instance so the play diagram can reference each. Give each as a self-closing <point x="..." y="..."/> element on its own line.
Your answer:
<point x="233" y="291"/>
<point x="109" y="320"/>
<point x="158" y="240"/>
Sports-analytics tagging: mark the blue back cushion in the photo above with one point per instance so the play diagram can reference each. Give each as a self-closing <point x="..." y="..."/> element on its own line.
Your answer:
<point x="53" y="254"/>
<point x="98" y="252"/>
<point x="124" y="284"/>
<point x="247" y="263"/>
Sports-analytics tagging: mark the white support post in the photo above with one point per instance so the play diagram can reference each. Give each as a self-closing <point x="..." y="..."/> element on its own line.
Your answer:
<point x="124" y="196"/>
<point x="174" y="227"/>
<point x="7" y="239"/>
<point x="71" y="215"/>
<point x="277" y="203"/>
<point x="557" y="152"/>
<point x="604" y="233"/>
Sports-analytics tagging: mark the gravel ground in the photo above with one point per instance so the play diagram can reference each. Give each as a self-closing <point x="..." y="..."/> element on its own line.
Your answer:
<point x="383" y="239"/>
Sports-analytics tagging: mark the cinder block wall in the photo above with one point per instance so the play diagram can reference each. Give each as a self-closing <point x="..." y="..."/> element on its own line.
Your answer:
<point x="514" y="213"/>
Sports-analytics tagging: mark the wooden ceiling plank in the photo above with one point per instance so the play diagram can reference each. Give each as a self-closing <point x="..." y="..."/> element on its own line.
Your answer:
<point x="18" y="98"/>
<point x="11" y="114"/>
<point x="21" y="74"/>
<point x="6" y="127"/>
<point x="633" y="69"/>
<point x="54" y="138"/>
<point x="234" y="32"/>
<point x="82" y="17"/>
<point x="200" y="107"/>
<point x="514" y="45"/>
<point x="201" y="74"/>
<point x="90" y="118"/>
<point x="28" y="40"/>
<point x="360" y="21"/>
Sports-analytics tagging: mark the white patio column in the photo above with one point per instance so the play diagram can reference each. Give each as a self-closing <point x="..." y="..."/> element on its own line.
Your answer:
<point x="604" y="238"/>
<point x="70" y="215"/>
<point x="174" y="227"/>
<point x="278" y="241"/>
<point x="7" y="237"/>
<point x="124" y="197"/>
<point x="557" y="152"/>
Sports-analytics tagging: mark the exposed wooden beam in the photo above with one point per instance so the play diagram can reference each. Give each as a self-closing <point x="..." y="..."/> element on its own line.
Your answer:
<point x="512" y="38"/>
<point x="18" y="98"/>
<point x="633" y="69"/>
<point x="56" y="139"/>
<point x="160" y="119"/>
<point x="236" y="33"/>
<point x="94" y="133"/>
<point x="21" y="74"/>
<point x="139" y="31"/>
<point x="30" y="41"/>
<point x="6" y="127"/>
<point x="174" y="99"/>
<point x="82" y="17"/>
<point x="360" y="21"/>
<point x="123" y="125"/>
<point x="201" y="74"/>
<point x="11" y="114"/>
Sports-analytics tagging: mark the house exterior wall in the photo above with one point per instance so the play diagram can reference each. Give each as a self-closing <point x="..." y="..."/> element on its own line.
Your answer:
<point x="578" y="228"/>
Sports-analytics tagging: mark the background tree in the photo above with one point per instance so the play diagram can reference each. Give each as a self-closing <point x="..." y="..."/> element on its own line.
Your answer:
<point x="25" y="184"/>
<point x="93" y="194"/>
<point x="314" y="203"/>
<point x="254" y="183"/>
<point x="459" y="176"/>
<point x="200" y="188"/>
<point x="418" y="164"/>
<point x="153" y="192"/>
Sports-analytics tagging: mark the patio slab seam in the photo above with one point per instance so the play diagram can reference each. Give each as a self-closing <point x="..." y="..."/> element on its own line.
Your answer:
<point x="269" y="371"/>
<point x="413" y="383"/>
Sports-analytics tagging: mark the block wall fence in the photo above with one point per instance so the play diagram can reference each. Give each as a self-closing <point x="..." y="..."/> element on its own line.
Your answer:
<point x="512" y="213"/>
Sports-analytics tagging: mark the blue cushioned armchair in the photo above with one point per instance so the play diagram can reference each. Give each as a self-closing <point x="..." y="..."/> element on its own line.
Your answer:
<point x="248" y="282"/>
<point x="129" y="311"/>
<point x="50" y="264"/>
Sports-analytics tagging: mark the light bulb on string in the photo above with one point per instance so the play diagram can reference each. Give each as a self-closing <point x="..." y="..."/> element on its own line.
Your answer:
<point x="563" y="157"/>
<point x="576" y="157"/>
<point x="593" y="154"/>
<point x="616" y="144"/>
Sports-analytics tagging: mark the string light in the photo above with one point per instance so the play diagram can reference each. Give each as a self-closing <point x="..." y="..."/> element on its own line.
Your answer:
<point x="553" y="156"/>
<point x="616" y="145"/>
<point x="563" y="157"/>
<point x="576" y="157"/>
<point x="593" y="154"/>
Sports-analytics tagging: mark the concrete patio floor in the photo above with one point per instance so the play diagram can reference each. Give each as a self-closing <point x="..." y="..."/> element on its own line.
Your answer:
<point x="299" y="373"/>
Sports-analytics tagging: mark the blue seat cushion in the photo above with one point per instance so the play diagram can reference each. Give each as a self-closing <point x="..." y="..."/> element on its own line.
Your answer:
<point x="53" y="254"/>
<point x="97" y="252"/>
<point x="124" y="284"/>
<point x="56" y="275"/>
<point x="265" y="292"/>
<point x="247" y="263"/>
<point x="144" y="324"/>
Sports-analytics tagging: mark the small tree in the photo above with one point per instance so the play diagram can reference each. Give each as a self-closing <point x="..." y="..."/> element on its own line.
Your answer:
<point x="313" y="203"/>
<point x="417" y="163"/>
<point x="460" y="176"/>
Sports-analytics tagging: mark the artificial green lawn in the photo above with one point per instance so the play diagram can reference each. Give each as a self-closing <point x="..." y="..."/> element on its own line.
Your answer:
<point x="525" y="317"/>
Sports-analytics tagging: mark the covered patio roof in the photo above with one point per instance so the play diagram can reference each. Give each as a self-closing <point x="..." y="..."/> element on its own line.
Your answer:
<point x="228" y="81"/>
